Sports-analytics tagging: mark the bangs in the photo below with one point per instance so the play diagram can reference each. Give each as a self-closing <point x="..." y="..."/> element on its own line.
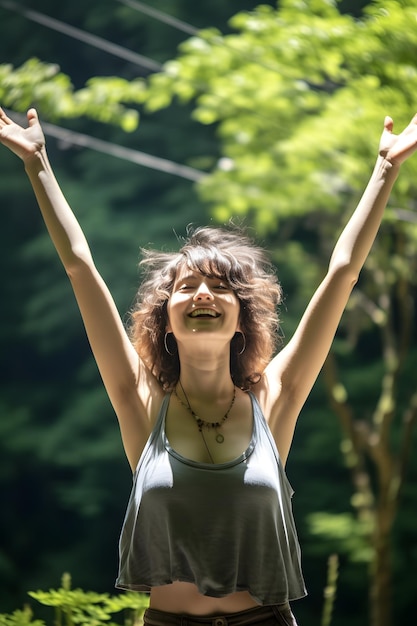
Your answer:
<point x="213" y="263"/>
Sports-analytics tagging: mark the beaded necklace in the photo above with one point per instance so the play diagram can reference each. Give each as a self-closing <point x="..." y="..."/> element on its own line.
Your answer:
<point x="202" y="423"/>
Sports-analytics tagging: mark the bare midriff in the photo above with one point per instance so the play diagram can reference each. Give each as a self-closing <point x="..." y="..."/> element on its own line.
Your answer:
<point x="180" y="597"/>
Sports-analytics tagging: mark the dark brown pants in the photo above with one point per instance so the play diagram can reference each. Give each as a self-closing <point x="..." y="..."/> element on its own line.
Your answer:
<point x="274" y="615"/>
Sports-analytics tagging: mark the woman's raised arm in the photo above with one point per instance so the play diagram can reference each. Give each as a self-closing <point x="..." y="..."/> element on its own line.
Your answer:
<point x="130" y="386"/>
<point x="292" y="373"/>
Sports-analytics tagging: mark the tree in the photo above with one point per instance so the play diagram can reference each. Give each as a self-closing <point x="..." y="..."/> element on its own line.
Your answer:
<point x="298" y="96"/>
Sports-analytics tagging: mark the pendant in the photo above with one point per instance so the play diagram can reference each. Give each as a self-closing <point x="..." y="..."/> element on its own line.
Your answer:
<point x="219" y="438"/>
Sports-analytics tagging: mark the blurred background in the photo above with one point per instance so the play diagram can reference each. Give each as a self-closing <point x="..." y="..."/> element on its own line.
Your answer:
<point x="162" y="114"/>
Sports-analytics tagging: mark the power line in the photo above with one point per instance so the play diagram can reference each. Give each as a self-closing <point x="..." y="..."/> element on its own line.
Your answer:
<point x="216" y="40"/>
<point x="120" y="51"/>
<point x="134" y="156"/>
<point x="126" y="54"/>
<point x="82" y="140"/>
<point x="160" y="16"/>
<point x="80" y="35"/>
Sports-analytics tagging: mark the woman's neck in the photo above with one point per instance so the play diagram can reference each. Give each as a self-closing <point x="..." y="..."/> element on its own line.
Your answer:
<point x="207" y="382"/>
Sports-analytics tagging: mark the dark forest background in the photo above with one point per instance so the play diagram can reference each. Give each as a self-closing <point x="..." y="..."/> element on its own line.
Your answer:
<point x="64" y="481"/>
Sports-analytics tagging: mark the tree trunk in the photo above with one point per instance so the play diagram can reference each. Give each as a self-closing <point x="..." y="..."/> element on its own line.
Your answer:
<point x="380" y="506"/>
<point x="381" y="569"/>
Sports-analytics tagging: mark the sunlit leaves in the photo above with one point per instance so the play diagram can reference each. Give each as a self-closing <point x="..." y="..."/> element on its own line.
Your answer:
<point x="43" y="85"/>
<point x="343" y="534"/>
<point x="76" y="606"/>
<point x="298" y="95"/>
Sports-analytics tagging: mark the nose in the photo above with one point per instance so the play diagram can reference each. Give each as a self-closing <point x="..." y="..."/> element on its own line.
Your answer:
<point x="203" y="292"/>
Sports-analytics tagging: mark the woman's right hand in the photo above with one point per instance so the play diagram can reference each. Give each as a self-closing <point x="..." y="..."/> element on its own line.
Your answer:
<point x="24" y="142"/>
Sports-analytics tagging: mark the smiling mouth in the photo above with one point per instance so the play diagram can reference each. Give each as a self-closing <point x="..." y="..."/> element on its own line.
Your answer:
<point x="204" y="313"/>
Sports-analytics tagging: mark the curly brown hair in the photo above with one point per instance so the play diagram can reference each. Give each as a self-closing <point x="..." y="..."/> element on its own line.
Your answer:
<point x="225" y="253"/>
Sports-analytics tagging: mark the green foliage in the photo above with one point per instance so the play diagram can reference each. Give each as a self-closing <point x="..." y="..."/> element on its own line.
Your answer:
<point x="343" y="533"/>
<point x="20" y="618"/>
<point x="296" y="87"/>
<point x="43" y="85"/>
<point x="75" y="606"/>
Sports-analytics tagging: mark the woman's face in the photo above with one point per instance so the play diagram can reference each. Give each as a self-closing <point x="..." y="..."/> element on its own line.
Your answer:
<point x="202" y="305"/>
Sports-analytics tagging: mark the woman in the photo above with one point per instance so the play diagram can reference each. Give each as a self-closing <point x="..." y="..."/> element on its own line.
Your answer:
<point x="206" y="416"/>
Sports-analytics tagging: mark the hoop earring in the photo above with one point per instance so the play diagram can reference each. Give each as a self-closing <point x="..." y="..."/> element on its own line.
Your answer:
<point x="166" y="344"/>
<point x="244" y="343"/>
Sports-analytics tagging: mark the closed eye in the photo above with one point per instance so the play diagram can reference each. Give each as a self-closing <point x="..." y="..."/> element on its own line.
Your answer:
<point x="185" y="286"/>
<point x="189" y="285"/>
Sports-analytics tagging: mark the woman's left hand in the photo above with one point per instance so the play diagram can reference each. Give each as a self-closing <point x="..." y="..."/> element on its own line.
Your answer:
<point x="397" y="148"/>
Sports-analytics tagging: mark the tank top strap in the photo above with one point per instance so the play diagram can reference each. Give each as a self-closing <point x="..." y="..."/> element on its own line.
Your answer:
<point x="261" y="423"/>
<point x="162" y="413"/>
<point x="156" y="431"/>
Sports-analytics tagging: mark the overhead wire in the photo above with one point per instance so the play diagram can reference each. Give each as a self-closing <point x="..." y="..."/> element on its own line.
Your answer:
<point x="109" y="148"/>
<point x="134" y="156"/>
<point x="128" y="55"/>
<point x="218" y="40"/>
<point x="160" y="16"/>
<point x="83" y="140"/>
<point x="118" y="50"/>
<point x="81" y="35"/>
<point x="214" y="39"/>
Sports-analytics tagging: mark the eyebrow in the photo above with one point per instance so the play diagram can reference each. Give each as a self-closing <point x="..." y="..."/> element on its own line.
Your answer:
<point x="186" y="277"/>
<point x="194" y="276"/>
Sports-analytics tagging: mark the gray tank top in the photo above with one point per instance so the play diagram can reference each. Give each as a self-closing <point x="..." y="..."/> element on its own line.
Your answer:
<point x="225" y="527"/>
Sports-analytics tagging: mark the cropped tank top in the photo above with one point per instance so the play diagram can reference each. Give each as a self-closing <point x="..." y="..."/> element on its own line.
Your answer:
<point x="223" y="527"/>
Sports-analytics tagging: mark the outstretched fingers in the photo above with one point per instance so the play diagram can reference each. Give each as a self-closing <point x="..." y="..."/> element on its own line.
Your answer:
<point x="25" y="141"/>
<point x="388" y="124"/>
<point x="32" y="116"/>
<point x="3" y="118"/>
<point x="403" y="145"/>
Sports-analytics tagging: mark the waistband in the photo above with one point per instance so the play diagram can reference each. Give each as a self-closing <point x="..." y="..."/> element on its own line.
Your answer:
<point x="154" y="617"/>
